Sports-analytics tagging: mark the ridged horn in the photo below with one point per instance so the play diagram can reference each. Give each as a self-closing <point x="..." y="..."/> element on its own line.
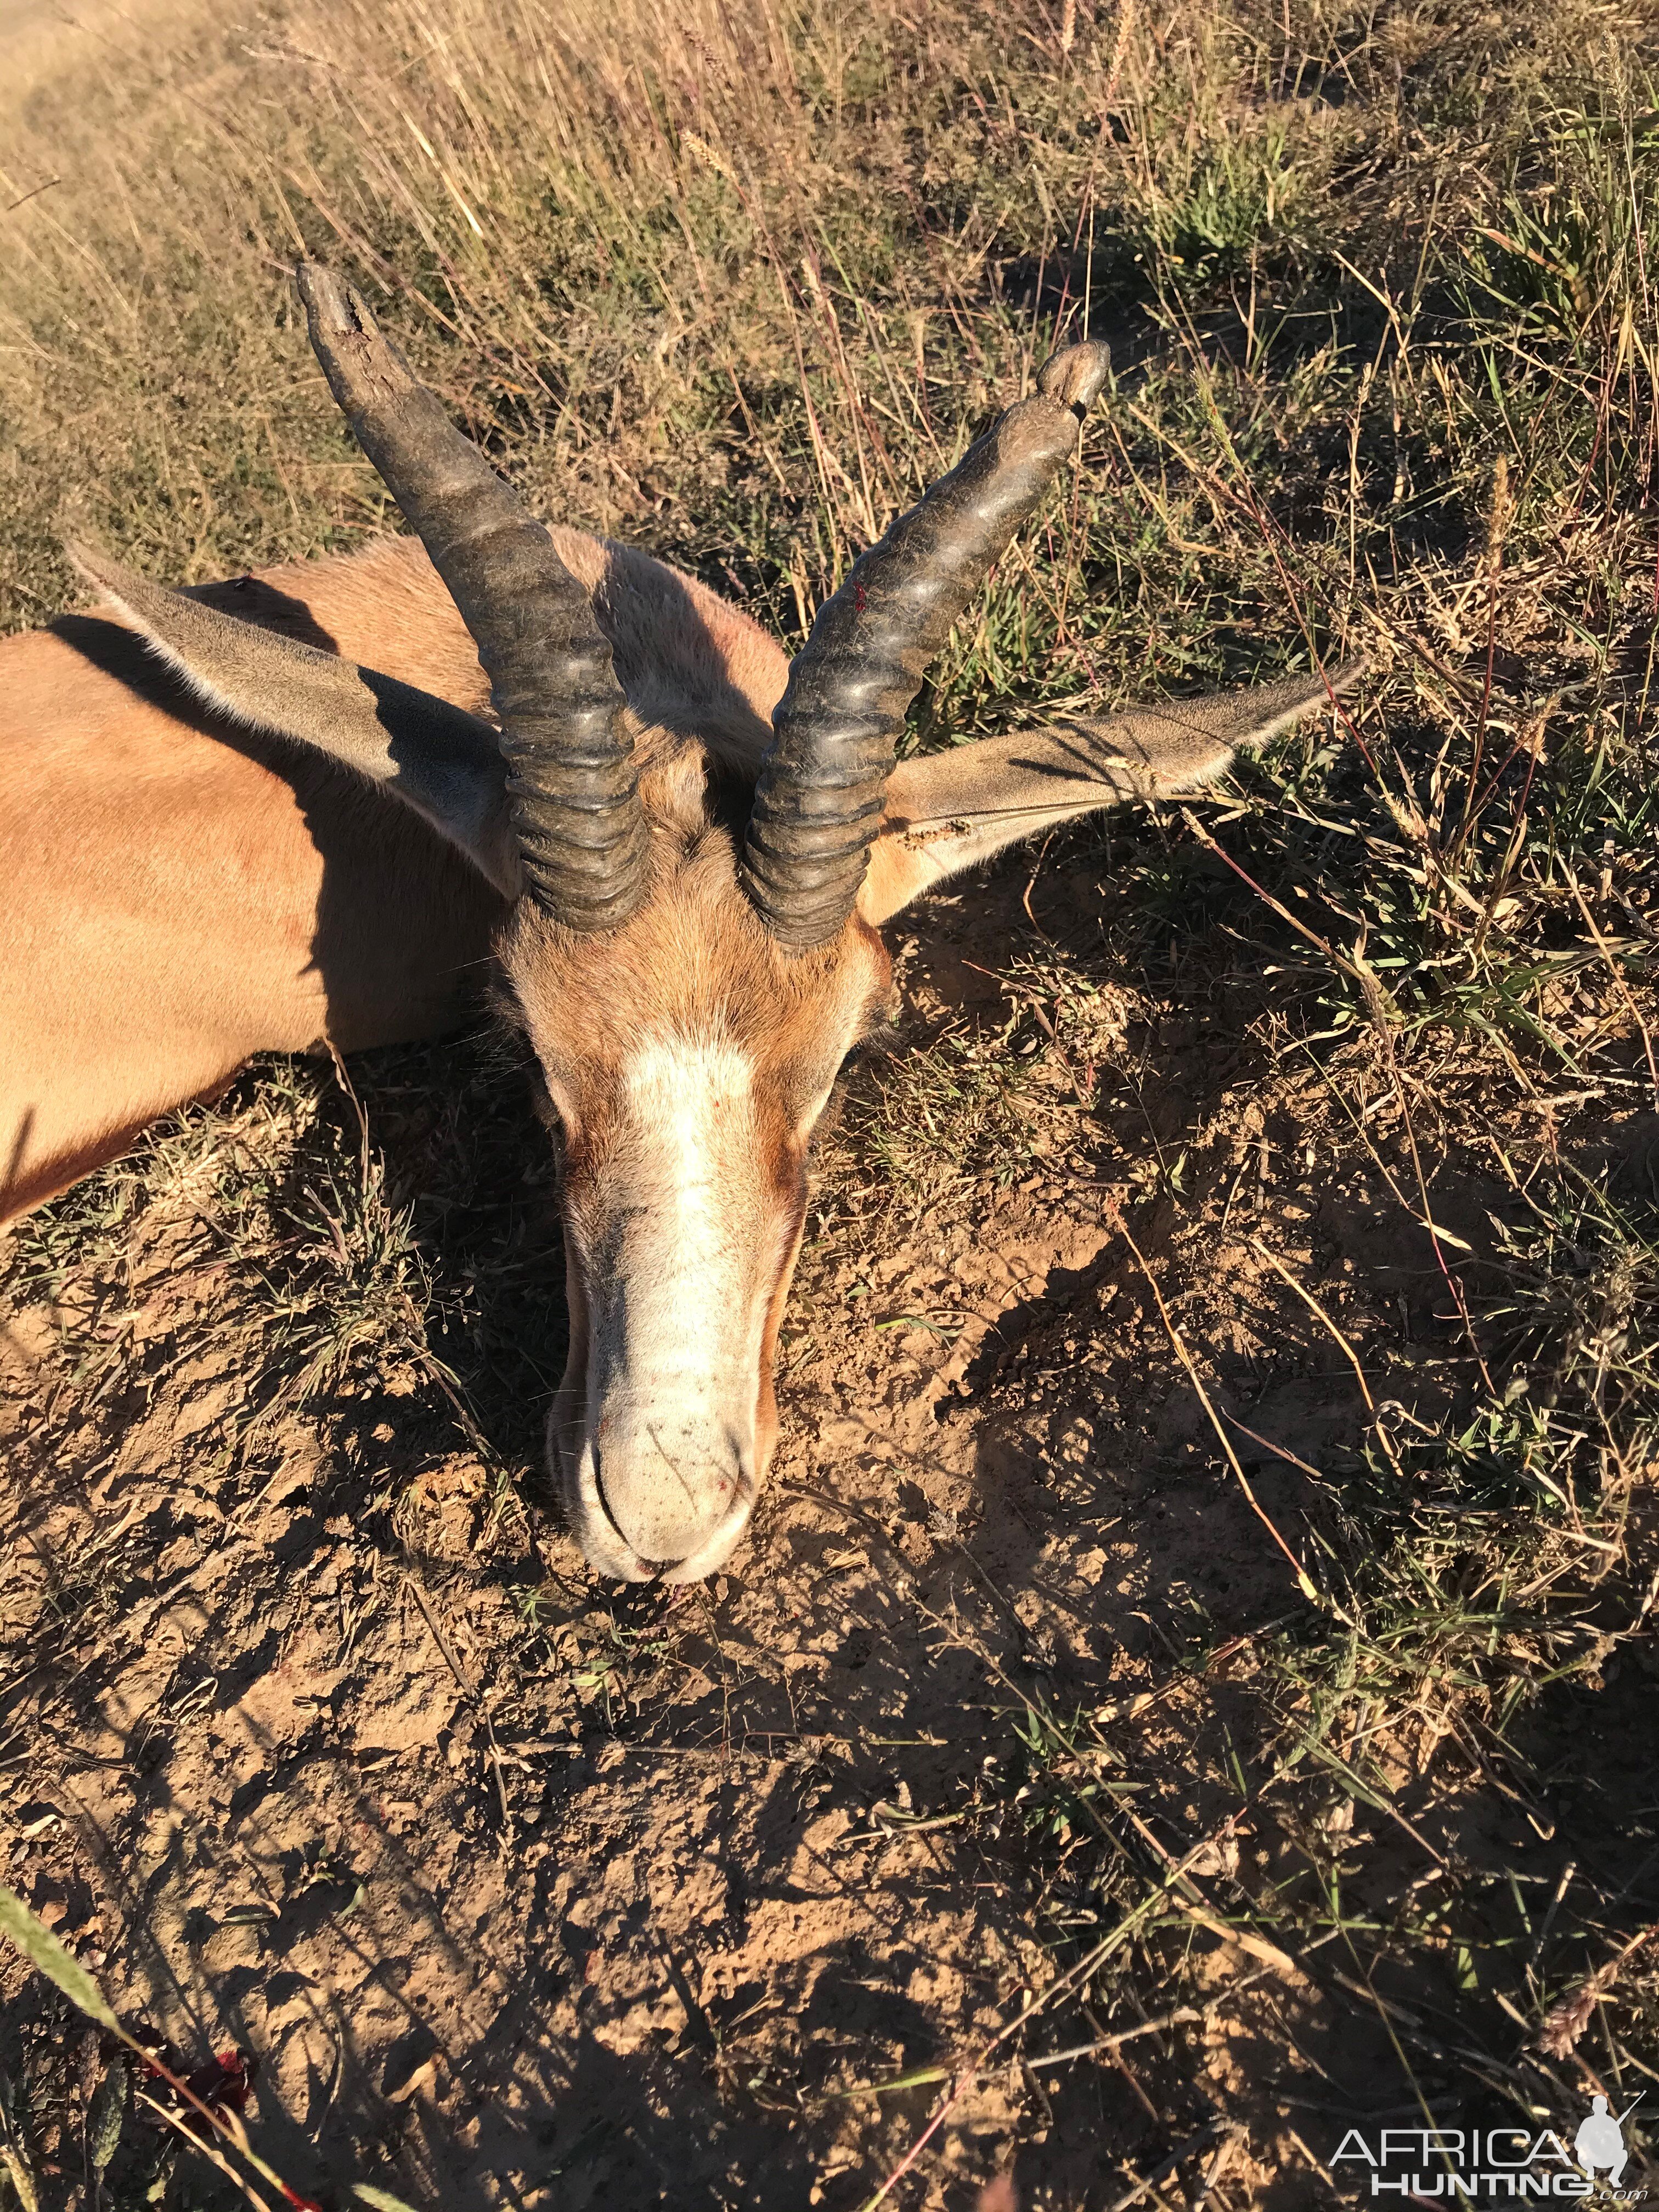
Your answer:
<point x="571" y="780"/>
<point x="818" y="799"/>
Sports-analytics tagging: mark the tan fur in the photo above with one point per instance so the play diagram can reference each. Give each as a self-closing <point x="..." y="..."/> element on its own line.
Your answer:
<point x="186" y="891"/>
<point x="183" y="895"/>
<point x="946" y="811"/>
<point x="179" y="902"/>
<point x="694" y="964"/>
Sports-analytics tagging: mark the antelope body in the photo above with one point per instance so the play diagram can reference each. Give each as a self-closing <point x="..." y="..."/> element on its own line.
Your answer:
<point x="314" y="804"/>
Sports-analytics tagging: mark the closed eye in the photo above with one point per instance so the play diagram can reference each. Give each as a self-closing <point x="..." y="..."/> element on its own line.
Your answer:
<point x="547" y="1113"/>
<point x="879" y="1043"/>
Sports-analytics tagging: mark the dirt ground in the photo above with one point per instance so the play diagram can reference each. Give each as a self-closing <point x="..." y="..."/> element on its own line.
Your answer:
<point x="521" y="1891"/>
<point x="1188" y="1691"/>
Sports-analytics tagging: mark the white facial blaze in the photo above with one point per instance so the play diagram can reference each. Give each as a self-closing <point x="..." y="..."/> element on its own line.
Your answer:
<point x="674" y="1356"/>
<point x="692" y="1185"/>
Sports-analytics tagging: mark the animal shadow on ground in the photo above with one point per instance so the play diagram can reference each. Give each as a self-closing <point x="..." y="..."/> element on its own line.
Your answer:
<point x="522" y="1890"/>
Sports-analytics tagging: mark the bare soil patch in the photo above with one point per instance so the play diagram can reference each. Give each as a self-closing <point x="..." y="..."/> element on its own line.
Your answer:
<point x="518" y="1890"/>
<point x="1145" y="1734"/>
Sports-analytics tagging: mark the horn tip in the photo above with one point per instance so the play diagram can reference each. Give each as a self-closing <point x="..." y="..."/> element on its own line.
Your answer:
<point x="1076" y="375"/>
<point x="334" y="308"/>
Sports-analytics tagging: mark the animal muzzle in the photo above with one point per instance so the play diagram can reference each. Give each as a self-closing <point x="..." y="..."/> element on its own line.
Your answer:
<point x="660" y="1490"/>
<point x="676" y="1272"/>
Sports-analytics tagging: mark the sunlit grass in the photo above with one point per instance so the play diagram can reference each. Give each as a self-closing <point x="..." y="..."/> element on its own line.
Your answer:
<point x="734" y="284"/>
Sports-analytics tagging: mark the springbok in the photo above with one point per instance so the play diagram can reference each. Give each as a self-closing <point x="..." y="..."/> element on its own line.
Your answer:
<point x="321" y="817"/>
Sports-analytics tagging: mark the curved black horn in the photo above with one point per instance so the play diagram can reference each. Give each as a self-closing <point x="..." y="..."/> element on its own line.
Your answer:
<point x="575" y="806"/>
<point x="817" y="802"/>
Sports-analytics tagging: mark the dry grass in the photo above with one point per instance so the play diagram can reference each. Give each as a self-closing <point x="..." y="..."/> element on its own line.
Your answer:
<point x="733" y="282"/>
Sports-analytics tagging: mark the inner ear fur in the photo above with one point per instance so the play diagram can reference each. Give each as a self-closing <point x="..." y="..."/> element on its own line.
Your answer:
<point x="948" y="810"/>
<point x="435" y="757"/>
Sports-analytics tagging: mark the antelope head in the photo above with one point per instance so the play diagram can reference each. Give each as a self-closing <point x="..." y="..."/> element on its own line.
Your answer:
<point x="690" y="935"/>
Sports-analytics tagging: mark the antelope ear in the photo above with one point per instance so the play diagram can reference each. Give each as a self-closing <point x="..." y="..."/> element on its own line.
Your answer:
<point x="948" y="810"/>
<point x="439" y="760"/>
